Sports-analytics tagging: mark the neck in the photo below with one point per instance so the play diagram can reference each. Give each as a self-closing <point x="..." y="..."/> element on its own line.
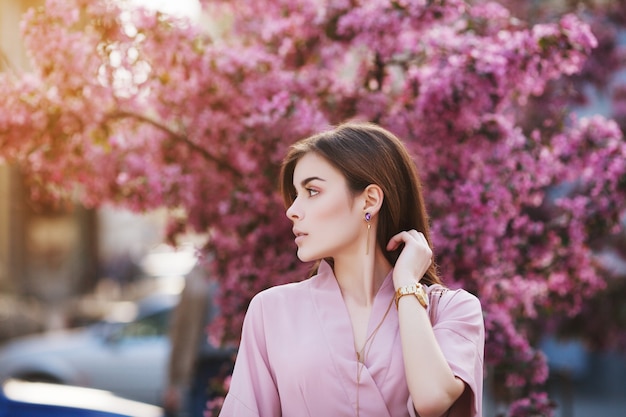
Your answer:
<point x="360" y="277"/>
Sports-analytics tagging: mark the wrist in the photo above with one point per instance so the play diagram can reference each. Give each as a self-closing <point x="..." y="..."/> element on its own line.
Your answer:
<point x="414" y="289"/>
<point x="406" y="279"/>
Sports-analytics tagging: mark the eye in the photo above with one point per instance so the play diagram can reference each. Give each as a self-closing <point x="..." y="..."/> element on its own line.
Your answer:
<point x="312" y="192"/>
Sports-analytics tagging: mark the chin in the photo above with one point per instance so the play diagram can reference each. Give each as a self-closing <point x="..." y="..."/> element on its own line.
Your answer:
<point x="307" y="257"/>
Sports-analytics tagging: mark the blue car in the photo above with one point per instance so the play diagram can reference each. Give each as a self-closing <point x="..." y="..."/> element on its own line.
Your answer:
<point x="37" y="399"/>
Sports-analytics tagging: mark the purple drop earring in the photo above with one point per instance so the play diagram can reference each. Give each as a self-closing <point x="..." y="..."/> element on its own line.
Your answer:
<point x="368" y="217"/>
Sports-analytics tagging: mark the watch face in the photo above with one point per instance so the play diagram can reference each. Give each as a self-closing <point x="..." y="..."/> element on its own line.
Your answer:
<point x="417" y="290"/>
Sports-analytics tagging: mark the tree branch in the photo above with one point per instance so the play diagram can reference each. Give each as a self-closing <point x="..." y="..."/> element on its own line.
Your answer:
<point x="121" y="114"/>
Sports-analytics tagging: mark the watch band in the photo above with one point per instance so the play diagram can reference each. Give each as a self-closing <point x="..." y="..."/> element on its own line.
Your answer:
<point x="416" y="289"/>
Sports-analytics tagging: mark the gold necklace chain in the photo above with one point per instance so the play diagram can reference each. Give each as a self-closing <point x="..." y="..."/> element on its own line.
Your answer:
<point x="362" y="354"/>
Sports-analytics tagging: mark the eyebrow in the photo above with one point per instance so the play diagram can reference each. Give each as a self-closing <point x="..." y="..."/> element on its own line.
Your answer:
<point x="305" y="181"/>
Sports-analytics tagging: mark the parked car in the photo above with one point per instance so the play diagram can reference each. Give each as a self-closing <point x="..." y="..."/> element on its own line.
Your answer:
<point x="127" y="358"/>
<point x="36" y="399"/>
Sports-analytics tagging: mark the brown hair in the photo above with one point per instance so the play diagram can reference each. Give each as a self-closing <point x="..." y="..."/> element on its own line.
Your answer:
<point x="366" y="154"/>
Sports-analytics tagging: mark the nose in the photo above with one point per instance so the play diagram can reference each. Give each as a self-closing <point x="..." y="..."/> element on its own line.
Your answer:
<point x="293" y="212"/>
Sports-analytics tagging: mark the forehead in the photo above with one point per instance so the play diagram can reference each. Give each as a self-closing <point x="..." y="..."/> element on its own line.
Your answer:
<point x="313" y="165"/>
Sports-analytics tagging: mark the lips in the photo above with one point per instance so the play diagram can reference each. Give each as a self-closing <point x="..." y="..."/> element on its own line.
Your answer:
<point x="299" y="235"/>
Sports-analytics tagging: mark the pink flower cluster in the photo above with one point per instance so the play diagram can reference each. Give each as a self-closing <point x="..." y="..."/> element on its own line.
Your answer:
<point x="536" y="405"/>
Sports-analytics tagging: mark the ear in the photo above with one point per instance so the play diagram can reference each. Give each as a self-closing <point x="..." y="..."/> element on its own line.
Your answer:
<point x="373" y="196"/>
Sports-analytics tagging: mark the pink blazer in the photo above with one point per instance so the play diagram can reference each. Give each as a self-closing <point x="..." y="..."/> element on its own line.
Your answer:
<point x="296" y="356"/>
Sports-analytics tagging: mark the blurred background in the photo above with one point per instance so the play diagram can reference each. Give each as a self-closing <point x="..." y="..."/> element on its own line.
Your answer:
<point x="50" y="257"/>
<point x="105" y="270"/>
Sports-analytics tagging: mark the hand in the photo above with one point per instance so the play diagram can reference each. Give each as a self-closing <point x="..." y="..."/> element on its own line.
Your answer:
<point x="414" y="260"/>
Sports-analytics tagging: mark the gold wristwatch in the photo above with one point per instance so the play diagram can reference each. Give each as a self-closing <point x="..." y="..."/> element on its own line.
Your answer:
<point x="415" y="289"/>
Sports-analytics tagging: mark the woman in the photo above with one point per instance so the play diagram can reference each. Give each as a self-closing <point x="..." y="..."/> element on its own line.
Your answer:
<point x="373" y="332"/>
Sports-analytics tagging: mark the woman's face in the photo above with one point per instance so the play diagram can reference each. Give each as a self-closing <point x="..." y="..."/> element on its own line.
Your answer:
<point x="327" y="219"/>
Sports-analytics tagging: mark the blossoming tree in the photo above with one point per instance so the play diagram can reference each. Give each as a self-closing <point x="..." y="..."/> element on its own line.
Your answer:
<point x="144" y="110"/>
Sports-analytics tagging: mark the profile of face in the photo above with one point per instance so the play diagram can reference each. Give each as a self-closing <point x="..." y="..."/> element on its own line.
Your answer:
<point x="328" y="220"/>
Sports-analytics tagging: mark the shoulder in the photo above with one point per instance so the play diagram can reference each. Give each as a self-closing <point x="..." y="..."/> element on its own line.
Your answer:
<point x="457" y="318"/>
<point x="458" y="303"/>
<point x="452" y="297"/>
<point x="272" y="310"/>
<point x="280" y="294"/>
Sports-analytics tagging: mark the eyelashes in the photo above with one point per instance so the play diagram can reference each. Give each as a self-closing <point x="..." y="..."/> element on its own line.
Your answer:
<point x="312" y="192"/>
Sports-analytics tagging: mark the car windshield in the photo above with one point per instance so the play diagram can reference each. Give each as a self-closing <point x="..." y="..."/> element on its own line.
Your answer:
<point x="148" y="319"/>
<point x="155" y="324"/>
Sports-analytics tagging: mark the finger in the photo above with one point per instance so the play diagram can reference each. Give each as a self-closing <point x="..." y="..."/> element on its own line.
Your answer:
<point x="421" y="239"/>
<point x="396" y="240"/>
<point x="419" y="236"/>
<point x="415" y="234"/>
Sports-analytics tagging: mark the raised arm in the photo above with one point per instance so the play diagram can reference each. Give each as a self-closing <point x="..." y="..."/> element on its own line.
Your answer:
<point x="432" y="354"/>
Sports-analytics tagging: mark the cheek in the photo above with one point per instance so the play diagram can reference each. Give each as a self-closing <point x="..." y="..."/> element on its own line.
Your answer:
<point x="339" y="221"/>
<point x="336" y="211"/>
